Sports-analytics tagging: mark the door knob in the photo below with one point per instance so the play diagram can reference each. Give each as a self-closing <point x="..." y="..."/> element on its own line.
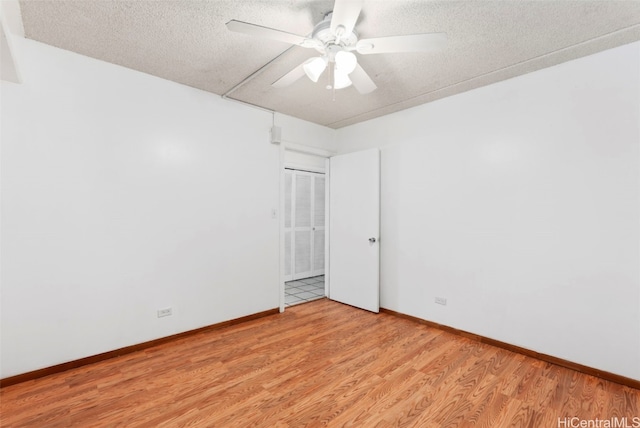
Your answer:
<point x="372" y="240"/>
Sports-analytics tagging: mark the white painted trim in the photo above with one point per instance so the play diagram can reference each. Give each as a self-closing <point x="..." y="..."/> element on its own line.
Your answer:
<point x="10" y="69"/>
<point x="287" y="277"/>
<point x="327" y="209"/>
<point x="12" y="17"/>
<point x="281" y="228"/>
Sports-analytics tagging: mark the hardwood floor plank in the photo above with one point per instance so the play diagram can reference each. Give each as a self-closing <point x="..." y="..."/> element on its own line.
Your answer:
<point x="318" y="364"/>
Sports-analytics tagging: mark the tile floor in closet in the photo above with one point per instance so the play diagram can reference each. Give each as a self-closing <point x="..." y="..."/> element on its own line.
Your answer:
<point x="303" y="290"/>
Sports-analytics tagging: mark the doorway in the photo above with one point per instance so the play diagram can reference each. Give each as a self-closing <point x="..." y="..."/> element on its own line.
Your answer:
<point x="304" y="235"/>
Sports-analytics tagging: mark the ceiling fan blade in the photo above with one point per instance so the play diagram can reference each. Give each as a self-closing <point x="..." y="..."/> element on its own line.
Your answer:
<point x="413" y="43"/>
<point x="269" y="33"/>
<point x="345" y="14"/>
<point x="361" y="80"/>
<point x="290" y="77"/>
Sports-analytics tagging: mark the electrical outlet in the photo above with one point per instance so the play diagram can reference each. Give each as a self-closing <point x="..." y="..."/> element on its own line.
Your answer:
<point x="441" y="301"/>
<point x="164" y="312"/>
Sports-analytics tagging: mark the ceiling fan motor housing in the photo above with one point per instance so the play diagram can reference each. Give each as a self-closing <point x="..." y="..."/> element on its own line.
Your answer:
<point x="322" y="32"/>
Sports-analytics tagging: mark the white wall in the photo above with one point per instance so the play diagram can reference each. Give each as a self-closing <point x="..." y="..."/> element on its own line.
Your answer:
<point x="297" y="131"/>
<point x="123" y="193"/>
<point x="519" y="203"/>
<point x="304" y="161"/>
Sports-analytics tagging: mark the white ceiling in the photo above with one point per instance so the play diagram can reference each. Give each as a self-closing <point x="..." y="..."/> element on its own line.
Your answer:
<point x="187" y="41"/>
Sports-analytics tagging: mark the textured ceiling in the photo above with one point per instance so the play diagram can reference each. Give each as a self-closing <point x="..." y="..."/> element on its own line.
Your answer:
<point x="187" y="42"/>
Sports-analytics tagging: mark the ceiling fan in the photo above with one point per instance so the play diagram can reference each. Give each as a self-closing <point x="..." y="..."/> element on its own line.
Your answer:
<point x="336" y="40"/>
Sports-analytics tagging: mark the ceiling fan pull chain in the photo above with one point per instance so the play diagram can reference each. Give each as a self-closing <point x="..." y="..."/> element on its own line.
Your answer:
<point x="330" y="75"/>
<point x="333" y="89"/>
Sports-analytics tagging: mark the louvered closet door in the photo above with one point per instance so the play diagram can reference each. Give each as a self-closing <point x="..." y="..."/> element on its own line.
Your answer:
<point x="302" y="234"/>
<point x="317" y="227"/>
<point x="304" y="224"/>
<point x="288" y="223"/>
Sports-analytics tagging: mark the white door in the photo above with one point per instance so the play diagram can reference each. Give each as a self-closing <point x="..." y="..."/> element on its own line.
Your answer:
<point x="354" y="225"/>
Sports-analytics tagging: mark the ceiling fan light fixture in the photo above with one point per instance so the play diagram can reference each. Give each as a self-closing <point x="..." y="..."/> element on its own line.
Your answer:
<point x="346" y="61"/>
<point x="341" y="79"/>
<point x="314" y="67"/>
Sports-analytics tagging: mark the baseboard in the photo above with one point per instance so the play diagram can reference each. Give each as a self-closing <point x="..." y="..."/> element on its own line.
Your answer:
<point x="632" y="383"/>
<point x="12" y="380"/>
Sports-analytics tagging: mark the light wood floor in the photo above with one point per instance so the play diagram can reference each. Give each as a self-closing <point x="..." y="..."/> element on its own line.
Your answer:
<point x="320" y="363"/>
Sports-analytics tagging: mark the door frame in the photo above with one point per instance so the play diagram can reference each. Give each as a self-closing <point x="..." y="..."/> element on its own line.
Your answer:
<point x="281" y="167"/>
